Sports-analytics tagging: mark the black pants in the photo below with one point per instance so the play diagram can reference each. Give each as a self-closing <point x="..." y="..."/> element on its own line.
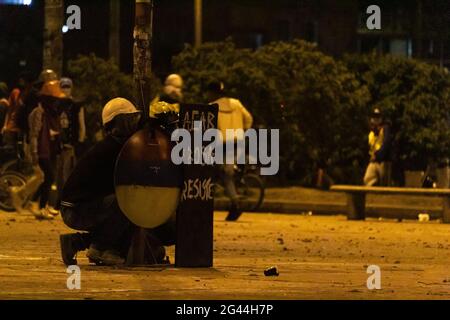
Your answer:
<point x="103" y="219"/>
<point x="47" y="167"/>
<point x="108" y="226"/>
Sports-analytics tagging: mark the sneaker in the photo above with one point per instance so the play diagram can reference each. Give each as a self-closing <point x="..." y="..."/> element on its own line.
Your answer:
<point x="105" y="258"/>
<point x="43" y="214"/>
<point x="112" y="258"/>
<point x="70" y="245"/>
<point x="16" y="199"/>
<point x="52" y="211"/>
<point x="94" y="254"/>
<point x="32" y="207"/>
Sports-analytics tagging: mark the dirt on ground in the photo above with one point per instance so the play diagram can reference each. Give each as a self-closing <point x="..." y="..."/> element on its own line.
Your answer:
<point x="316" y="257"/>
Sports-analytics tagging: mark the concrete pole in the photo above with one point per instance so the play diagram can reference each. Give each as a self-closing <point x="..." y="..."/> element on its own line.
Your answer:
<point x="142" y="52"/>
<point x="139" y="252"/>
<point x="198" y="23"/>
<point x="53" y="39"/>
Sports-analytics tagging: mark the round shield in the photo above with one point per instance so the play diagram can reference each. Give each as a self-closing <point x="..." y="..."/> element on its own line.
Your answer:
<point x="147" y="183"/>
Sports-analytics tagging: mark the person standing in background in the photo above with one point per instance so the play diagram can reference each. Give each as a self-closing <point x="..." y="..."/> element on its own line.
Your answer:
<point x="380" y="144"/>
<point x="30" y="98"/>
<point x="11" y="131"/>
<point x="45" y="144"/>
<point x="172" y="91"/>
<point x="73" y="133"/>
<point x="4" y="104"/>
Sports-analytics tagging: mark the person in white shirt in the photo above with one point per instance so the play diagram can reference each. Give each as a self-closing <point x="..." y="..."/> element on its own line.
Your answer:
<point x="232" y="115"/>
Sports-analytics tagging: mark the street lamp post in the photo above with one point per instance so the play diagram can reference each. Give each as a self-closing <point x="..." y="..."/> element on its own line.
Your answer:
<point x="114" y="31"/>
<point x="198" y="22"/>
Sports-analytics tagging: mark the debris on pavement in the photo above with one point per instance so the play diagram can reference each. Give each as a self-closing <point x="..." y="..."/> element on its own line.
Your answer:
<point x="424" y="217"/>
<point x="272" y="271"/>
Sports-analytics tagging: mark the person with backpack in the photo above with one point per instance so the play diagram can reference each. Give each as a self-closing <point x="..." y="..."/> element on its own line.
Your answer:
<point x="232" y="115"/>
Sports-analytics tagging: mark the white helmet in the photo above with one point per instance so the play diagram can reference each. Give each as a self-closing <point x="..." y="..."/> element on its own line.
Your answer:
<point x="115" y="107"/>
<point x="173" y="86"/>
<point x="174" y="80"/>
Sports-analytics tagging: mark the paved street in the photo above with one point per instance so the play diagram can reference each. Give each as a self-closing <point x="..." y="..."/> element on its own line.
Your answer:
<point x="317" y="257"/>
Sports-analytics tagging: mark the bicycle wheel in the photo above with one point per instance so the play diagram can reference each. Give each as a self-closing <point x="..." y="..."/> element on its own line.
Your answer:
<point x="7" y="180"/>
<point x="20" y="166"/>
<point x="250" y="189"/>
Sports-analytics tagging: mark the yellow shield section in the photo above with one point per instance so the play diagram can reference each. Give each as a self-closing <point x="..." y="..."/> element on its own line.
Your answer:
<point x="148" y="206"/>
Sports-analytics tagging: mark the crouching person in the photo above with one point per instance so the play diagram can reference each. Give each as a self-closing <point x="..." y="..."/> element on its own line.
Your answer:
<point x="88" y="201"/>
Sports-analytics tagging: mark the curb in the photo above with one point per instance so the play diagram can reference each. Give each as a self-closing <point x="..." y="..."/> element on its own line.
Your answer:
<point x="327" y="209"/>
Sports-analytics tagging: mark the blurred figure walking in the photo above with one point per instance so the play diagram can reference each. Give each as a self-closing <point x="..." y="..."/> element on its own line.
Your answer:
<point x="232" y="115"/>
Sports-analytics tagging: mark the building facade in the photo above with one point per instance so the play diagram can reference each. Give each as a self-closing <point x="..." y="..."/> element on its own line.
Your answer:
<point x="419" y="29"/>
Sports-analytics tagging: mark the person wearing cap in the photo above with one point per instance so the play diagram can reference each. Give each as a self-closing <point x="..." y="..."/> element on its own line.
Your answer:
<point x="30" y="97"/>
<point x="88" y="200"/>
<point x="380" y="142"/>
<point x="232" y="115"/>
<point x="45" y="145"/>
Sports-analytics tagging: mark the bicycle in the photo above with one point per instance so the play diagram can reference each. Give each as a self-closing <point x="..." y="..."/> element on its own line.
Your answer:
<point x="14" y="171"/>
<point x="249" y="186"/>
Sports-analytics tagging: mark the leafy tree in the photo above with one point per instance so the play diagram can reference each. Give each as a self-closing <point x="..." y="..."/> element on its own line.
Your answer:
<point x="415" y="97"/>
<point x="323" y="109"/>
<point x="315" y="101"/>
<point x="96" y="81"/>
